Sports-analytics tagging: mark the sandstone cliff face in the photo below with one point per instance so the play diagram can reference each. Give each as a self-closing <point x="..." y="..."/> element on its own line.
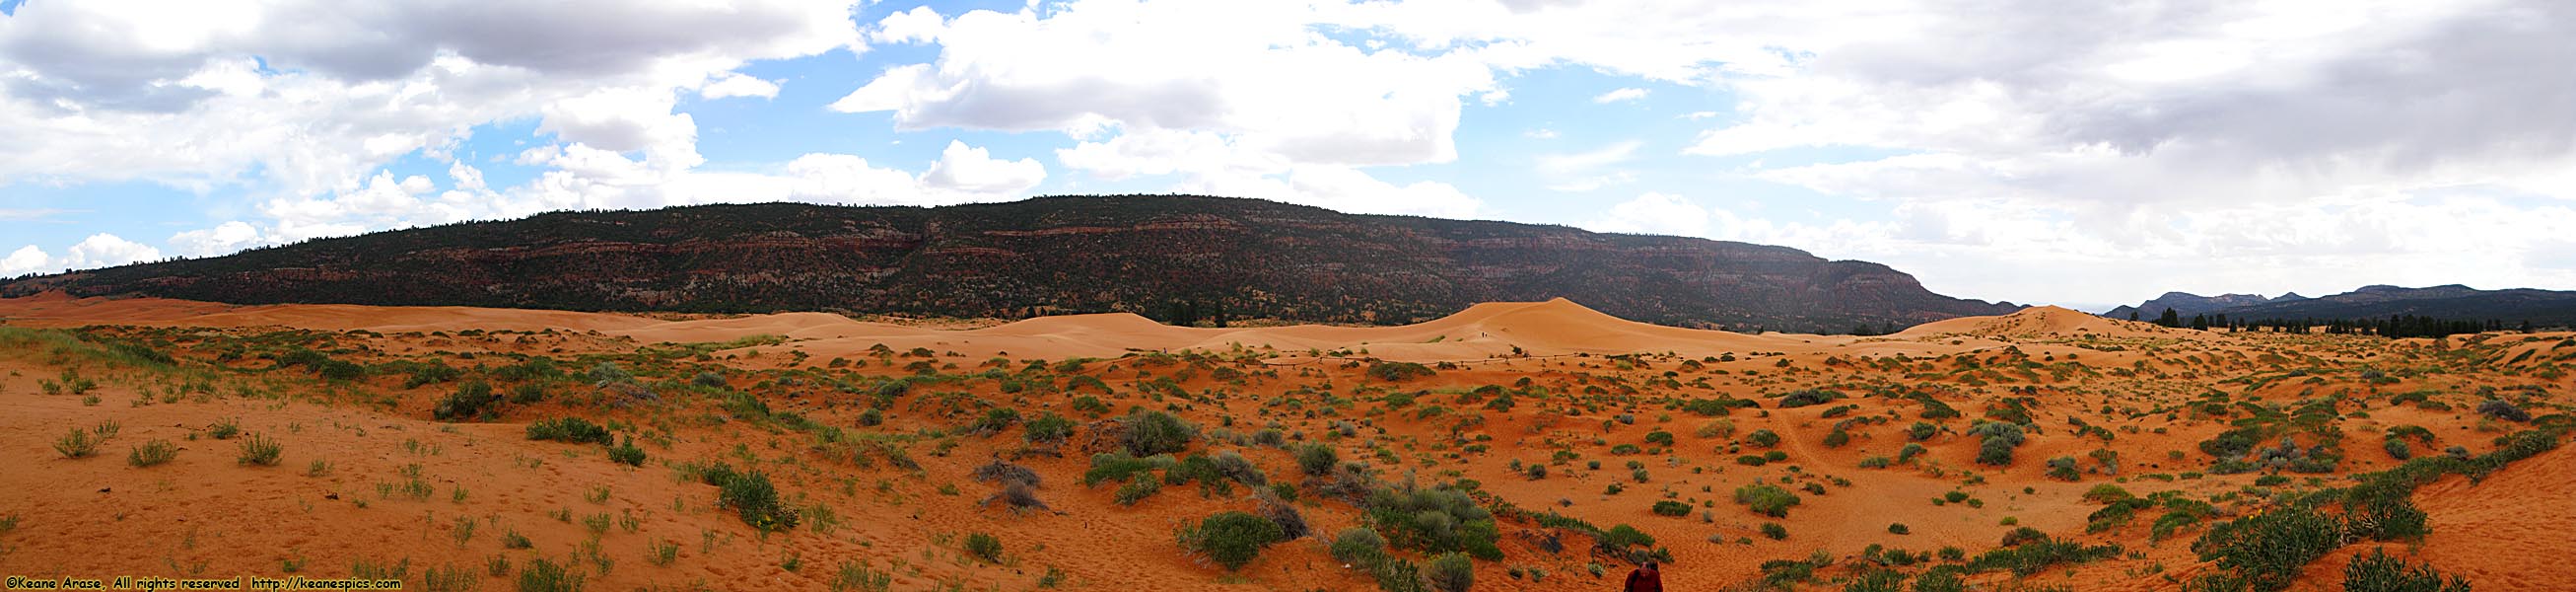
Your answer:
<point x="1235" y="257"/>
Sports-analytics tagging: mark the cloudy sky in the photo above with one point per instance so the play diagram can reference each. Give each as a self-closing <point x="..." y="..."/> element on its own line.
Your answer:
<point x="2078" y="153"/>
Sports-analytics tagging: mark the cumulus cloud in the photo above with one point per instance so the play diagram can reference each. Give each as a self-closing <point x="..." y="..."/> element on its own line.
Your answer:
<point x="311" y="96"/>
<point x="27" y="259"/>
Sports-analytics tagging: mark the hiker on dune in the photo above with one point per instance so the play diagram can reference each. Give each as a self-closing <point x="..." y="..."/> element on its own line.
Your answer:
<point x="1645" y="579"/>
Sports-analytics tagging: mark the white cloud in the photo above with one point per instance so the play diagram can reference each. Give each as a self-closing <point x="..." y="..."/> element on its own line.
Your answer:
<point x="1540" y="134"/>
<point x="1591" y="170"/>
<point x="221" y="240"/>
<point x="171" y="92"/>
<point x="101" y="250"/>
<point x="738" y="85"/>
<point x="27" y="259"/>
<point x="1623" y="94"/>
<point x="1654" y="213"/>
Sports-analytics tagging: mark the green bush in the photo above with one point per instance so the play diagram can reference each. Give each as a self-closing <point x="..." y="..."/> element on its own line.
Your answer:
<point x="1398" y="371"/>
<point x="543" y="575"/>
<point x="1766" y="499"/>
<point x="1118" y="466"/>
<point x="1775" y="531"/>
<point x="1910" y="451"/>
<point x="1837" y="438"/>
<point x="1763" y="438"/>
<point x="569" y="430"/>
<point x="152" y="453"/>
<point x="1048" y="428"/>
<point x="1451" y="572"/>
<point x="995" y="420"/>
<point x="260" y="450"/>
<point x="1154" y="432"/>
<point x="77" y="444"/>
<point x="1232" y="539"/>
<point x="626" y="453"/>
<point x="1317" y="459"/>
<point x="1434" y="521"/>
<point x="1359" y="546"/>
<point x="225" y="429"/>
<point x="751" y="496"/>
<point x="1995" y="452"/>
<point x="1671" y="508"/>
<point x="472" y="400"/>
<point x="2381" y="573"/>
<point x="2269" y="549"/>
<point x="1899" y="528"/>
<point x="984" y="546"/>
<point x="1805" y="397"/>
<point x="1657" y="437"/>
<point x="1137" y="489"/>
<point x="1921" y="431"/>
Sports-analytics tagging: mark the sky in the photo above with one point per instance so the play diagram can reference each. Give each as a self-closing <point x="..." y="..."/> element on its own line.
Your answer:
<point x="2075" y="153"/>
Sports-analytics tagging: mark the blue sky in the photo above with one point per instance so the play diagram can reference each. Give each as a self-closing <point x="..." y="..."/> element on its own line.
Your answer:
<point x="2081" y="156"/>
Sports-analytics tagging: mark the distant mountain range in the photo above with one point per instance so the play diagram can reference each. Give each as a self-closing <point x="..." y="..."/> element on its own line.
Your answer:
<point x="2545" y="308"/>
<point x="1167" y="257"/>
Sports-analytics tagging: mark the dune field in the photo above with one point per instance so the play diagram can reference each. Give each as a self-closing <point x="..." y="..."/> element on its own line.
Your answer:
<point x="1509" y="446"/>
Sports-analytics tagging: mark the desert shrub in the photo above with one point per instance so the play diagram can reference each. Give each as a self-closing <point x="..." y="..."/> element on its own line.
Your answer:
<point x="152" y="453"/>
<point x="543" y="575"/>
<point x="1714" y="407"/>
<point x="1317" y="459"/>
<point x="626" y="453"/>
<point x="709" y="379"/>
<point x="1154" y="432"/>
<point x="2235" y="442"/>
<point x="1398" y="575"/>
<point x="224" y="429"/>
<point x="2034" y="555"/>
<point x="994" y="421"/>
<point x="1940" y="579"/>
<point x="2268" y="549"/>
<point x="1451" y="572"/>
<point x="1137" y="489"/>
<point x="1995" y="451"/>
<point x="871" y="418"/>
<point x="77" y="444"/>
<point x="1910" y="451"/>
<point x="2107" y="493"/>
<point x="1899" y="528"/>
<point x="1763" y="438"/>
<point x="1292" y="523"/>
<point x="1671" y="508"/>
<point x="2381" y="573"/>
<point x="1837" y="438"/>
<point x="1434" y="521"/>
<point x="1876" y="462"/>
<point x="1232" y="465"/>
<point x="1048" y="428"/>
<point x="337" y="370"/>
<point x="568" y="429"/>
<point x="1231" y="539"/>
<point x="1090" y="405"/>
<point x="1358" y="546"/>
<point x="260" y="450"/>
<point x="2397" y="449"/>
<point x="2502" y="410"/>
<point x="1774" y="531"/>
<point x="1805" y="397"/>
<point x="751" y="496"/>
<point x="984" y="546"/>
<point x="472" y="400"/>
<point x="2063" y="469"/>
<point x="1766" y="499"/>
<point x="1398" y="371"/>
<point x="1119" y="466"/>
<point x="1921" y="431"/>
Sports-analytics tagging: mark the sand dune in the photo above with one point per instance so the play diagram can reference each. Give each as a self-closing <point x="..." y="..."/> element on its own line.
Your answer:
<point x="1612" y="435"/>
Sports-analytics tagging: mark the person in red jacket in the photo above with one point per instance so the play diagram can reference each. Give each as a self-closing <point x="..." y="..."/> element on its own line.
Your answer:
<point x="1645" y="579"/>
